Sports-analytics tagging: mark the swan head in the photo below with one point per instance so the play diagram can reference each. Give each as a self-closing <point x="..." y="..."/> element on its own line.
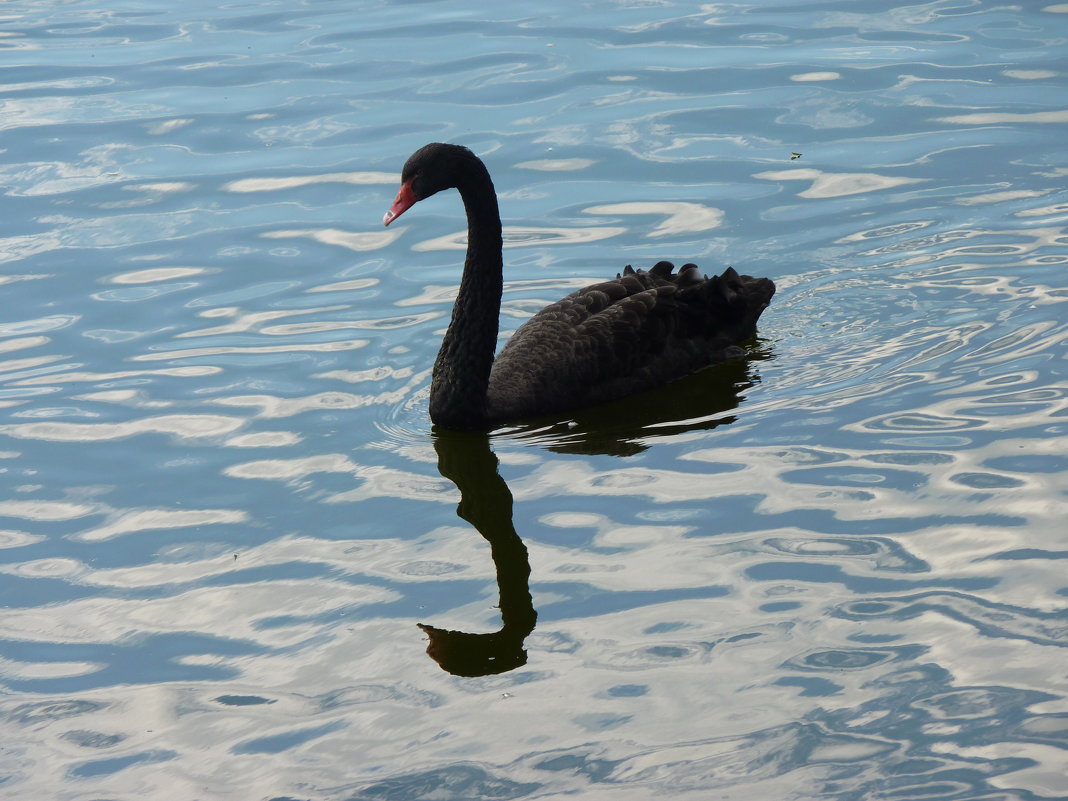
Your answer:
<point x="429" y="170"/>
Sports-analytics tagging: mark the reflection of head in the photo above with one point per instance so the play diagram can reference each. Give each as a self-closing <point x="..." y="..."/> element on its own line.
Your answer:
<point x="471" y="655"/>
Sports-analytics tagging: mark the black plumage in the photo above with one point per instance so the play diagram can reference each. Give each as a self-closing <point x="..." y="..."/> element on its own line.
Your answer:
<point x="638" y="331"/>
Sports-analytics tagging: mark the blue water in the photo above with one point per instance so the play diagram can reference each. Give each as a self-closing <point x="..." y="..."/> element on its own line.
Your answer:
<point x="833" y="570"/>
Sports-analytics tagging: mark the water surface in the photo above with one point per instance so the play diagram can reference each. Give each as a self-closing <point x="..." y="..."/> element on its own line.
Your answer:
<point x="834" y="569"/>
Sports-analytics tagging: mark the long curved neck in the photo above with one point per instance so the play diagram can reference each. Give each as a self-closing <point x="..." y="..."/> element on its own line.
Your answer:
<point x="461" y="372"/>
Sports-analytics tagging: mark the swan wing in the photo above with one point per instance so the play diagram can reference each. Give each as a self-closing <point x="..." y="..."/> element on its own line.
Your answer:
<point x="618" y="337"/>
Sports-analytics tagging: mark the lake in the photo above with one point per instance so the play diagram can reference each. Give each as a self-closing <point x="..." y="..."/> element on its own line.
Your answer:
<point x="238" y="562"/>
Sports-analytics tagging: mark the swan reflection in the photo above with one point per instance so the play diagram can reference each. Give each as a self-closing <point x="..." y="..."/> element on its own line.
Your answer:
<point x="699" y="402"/>
<point x="465" y="459"/>
<point x="620" y="428"/>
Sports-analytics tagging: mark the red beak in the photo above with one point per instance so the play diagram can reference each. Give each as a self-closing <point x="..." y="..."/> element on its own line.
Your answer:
<point x="405" y="200"/>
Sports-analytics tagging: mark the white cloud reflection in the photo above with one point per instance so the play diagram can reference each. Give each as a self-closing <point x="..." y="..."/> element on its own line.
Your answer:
<point x="999" y="197"/>
<point x="45" y="511"/>
<point x="519" y="236"/>
<point x="288" y="469"/>
<point x="359" y="241"/>
<point x="264" y="439"/>
<point x="18" y="343"/>
<point x="681" y="217"/>
<point x="556" y="165"/>
<point x="249" y="321"/>
<point x="37" y="671"/>
<point x="131" y="522"/>
<point x="179" y="425"/>
<point x="232" y="611"/>
<point x="10" y="538"/>
<point x="816" y="76"/>
<point x="193" y="371"/>
<point x="374" y="481"/>
<point x="994" y="117"/>
<point x="292" y="182"/>
<point x="155" y="274"/>
<point x="345" y="286"/>
<point x="252" y="350"/>
<point x="379" y="373"/>
<point x="1029" y="75"/>
<point x="271" y="406"/>
<point x="826" y="185"/>
<point x="168" y="126"/>
<point x="99" y="166"/>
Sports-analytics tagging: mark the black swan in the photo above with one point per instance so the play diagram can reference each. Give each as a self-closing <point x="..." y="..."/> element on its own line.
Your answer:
<point x="641" y="330"/>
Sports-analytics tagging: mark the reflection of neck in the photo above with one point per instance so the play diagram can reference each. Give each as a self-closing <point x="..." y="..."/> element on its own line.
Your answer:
<point x="486" y="503"/>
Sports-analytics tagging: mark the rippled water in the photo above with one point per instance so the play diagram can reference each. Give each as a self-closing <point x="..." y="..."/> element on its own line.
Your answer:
<point x="832" y="570"/>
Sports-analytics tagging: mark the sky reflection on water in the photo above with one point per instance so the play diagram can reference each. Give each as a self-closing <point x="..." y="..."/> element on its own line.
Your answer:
<point x="831" y="570"/>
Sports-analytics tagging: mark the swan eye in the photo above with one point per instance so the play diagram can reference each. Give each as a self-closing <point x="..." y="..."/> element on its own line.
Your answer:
<point x="416" y="183"/>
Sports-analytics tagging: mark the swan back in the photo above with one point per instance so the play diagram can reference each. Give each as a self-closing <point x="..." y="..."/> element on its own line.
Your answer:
<point x="612" y="339"/>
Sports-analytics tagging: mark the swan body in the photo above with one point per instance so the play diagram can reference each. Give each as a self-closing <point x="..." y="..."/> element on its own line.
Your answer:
<point x="640" y="330"/>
